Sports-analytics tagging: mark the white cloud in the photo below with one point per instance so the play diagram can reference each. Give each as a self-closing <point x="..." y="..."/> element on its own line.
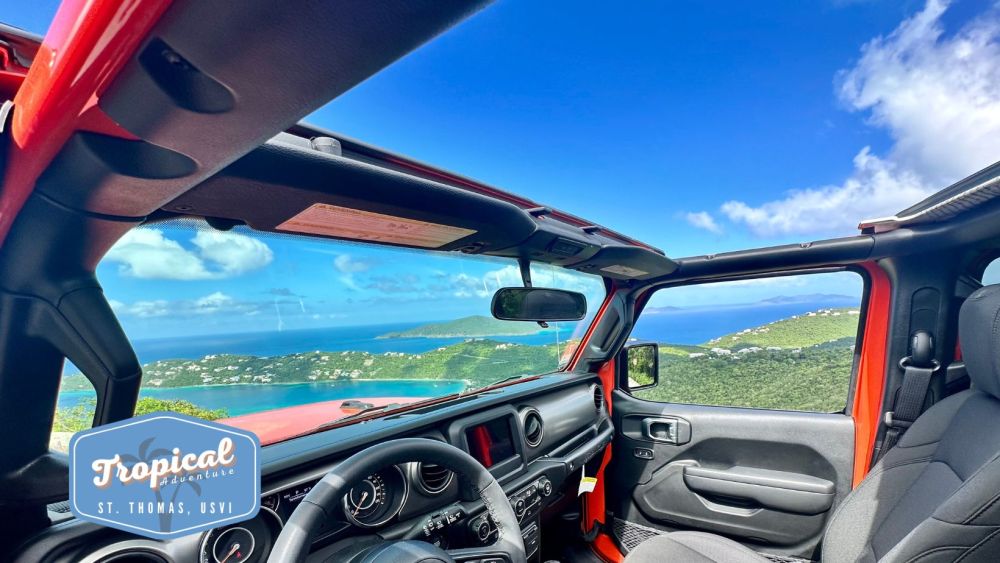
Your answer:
<point x="347" y="264"/>
<point x="213" y="303"/>
<point x="216" y="302"/>
<point x="233" y="253"/>
<point x="466" y="286"/>
<point x="702" y="220"/>
<point x="148" y="254"/>
<point x="776" y="281"/>
<point x="938" y="98"/>
<point x="157" y="308"/>
<point x="876" y="188"/>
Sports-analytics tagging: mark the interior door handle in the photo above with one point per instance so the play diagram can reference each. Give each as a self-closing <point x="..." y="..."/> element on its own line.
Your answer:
<point x="668" y="430"/>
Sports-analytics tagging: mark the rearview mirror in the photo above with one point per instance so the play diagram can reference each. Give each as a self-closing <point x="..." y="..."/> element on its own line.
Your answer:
<point x="642" y="365"/>
<point x="538" y="304"/>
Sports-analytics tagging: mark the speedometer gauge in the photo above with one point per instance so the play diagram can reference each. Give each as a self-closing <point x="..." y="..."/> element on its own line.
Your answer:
<point x="233" y="545"/>
<point x="377" y="499"/>
<point x="366" y="500"/>
<point x="249" y="541"/>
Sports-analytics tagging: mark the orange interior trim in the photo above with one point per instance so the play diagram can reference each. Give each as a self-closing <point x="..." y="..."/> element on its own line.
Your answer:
<point x="594" y="510"/>
<point x="605" y="548"/>
<point x="593" y="506"/>
<point x="88" y="43"/>
<point x="867" y="408"/>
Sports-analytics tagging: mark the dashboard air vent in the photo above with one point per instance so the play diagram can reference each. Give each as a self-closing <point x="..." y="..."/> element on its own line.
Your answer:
<point x="432" y="478"/>
<point x="598" y="397"/>
<point x="62" y="507"/>
<point x="534" y="429"/>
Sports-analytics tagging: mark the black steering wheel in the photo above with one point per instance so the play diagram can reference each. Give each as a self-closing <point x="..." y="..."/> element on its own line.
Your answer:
<point x="324" y="502"/>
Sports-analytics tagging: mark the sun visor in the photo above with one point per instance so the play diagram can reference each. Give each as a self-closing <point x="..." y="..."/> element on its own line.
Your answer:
<point x="627" y="263"/>
<point x="287" y="188"/>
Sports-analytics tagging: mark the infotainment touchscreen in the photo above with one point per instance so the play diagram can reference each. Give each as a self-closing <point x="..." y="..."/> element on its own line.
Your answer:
<point x="491" y="442"/>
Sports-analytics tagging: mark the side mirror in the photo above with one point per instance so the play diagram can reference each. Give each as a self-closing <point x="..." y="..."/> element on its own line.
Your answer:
<point x="538" y="304"/>
<point x="641" y="365"/>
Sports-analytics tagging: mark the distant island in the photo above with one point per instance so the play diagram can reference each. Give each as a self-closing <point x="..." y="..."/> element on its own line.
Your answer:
<point x="829" y="299"/>
<point x="476" y="326"/>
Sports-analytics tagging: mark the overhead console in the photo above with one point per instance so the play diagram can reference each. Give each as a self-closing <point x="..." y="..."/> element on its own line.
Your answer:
<point x="340" y="188"/>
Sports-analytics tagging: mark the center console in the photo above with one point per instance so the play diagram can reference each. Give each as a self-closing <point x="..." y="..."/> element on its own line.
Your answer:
<point x="496" y="439"/>
<point x="527" y="504"/>
<point x="533" y="466"/>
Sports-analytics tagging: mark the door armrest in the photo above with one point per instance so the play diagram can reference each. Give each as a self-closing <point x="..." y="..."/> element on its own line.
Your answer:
<point x="781" y="490"/>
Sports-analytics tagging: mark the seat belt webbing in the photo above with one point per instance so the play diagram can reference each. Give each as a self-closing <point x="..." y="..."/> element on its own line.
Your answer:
<point x="917" y="370"/>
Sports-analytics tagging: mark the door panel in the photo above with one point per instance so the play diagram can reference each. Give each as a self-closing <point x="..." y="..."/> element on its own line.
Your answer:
<point x="769" y="479"/>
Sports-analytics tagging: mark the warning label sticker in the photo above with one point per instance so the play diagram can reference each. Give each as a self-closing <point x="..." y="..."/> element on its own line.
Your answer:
<point x="344" y="222"/>
<point x="624" y="271"/>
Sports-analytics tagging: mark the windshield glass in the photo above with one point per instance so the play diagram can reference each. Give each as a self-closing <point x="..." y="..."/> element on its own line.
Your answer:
<point x="238" y="325"/>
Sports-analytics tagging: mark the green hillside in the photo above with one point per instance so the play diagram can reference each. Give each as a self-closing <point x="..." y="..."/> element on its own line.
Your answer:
<point x="800" y="363"/>
<point x="476" y="326"/>
<point x="476" y="361"/>
<point x="802" y="330"/>
<point x="815" y="379"/>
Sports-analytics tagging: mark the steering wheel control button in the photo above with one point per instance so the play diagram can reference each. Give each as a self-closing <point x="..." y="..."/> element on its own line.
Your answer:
<point x="483" y="531"/>
<point x="519" y="508"/>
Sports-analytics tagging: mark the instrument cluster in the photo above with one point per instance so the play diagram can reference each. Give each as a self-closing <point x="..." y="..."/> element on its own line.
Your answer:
<point x="369" y="504"/>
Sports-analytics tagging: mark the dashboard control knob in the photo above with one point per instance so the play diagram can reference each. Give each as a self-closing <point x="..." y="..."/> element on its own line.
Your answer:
<point x="483" y="531"/>
<point x="546" y="486"/>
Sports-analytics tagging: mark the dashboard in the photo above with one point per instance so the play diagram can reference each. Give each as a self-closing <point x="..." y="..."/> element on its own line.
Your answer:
<point x="533" y="437"/>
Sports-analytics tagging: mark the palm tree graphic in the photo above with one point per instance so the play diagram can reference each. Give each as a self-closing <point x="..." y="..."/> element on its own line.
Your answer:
<point x="146" y="455"/>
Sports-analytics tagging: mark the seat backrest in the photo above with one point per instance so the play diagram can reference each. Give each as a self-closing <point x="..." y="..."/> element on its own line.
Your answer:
<point x="936" y="495"/>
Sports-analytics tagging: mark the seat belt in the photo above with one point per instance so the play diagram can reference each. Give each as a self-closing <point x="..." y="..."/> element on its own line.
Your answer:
<point x="917" y="370"/>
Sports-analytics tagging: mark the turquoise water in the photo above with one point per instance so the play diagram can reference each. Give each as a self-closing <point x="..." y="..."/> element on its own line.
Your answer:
<point x="243" y="399"/>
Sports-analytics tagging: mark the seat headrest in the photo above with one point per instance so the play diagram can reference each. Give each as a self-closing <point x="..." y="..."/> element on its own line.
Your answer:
<point x="979" y="333"/>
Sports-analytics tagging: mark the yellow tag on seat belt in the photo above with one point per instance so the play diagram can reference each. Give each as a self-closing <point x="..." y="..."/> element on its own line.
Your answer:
<point x="587" y="484"/>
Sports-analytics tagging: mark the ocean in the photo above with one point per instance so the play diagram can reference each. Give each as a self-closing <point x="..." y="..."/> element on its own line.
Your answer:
<point x="678" y="326"/>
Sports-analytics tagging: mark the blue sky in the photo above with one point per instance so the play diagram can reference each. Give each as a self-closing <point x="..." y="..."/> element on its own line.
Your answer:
<point x="697" y="127"/>
<point x="179" y="280"/>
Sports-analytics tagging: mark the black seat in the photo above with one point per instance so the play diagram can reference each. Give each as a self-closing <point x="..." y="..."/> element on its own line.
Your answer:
<point x="934" y="497"/>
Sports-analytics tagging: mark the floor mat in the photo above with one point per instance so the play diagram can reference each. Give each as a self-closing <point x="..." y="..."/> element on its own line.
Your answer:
<point x="630" y="534"/>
